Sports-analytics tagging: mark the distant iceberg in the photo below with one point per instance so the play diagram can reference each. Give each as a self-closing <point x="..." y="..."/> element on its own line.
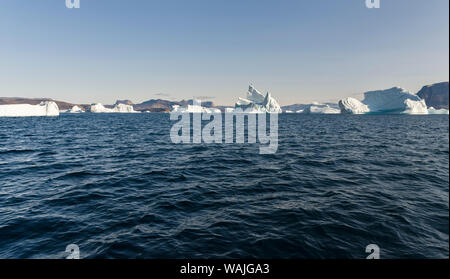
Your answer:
<point x="123" y="108"/>
<point x="119" y="108"/>
<point x="47" y="108"/>
<point x="432" y="110"/>
<point x="99" y="108"/>
<point x="255" y="102"/>
<point x="318" y="108"/>
<point x="391" y="101"/>
<point x="75" y="109"/>
<point x="194" y="109"/>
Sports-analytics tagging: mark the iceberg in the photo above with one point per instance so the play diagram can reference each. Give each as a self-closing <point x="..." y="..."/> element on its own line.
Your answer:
<point x="391" y="101"/>
<point x="124" y="108"/>
<point x="353" y="106"/>
<point x="255" y="102"/>
<point x="46" y="108"/>
<point x="194" y="109"/>
<point x="317" y="108"/>
<point x="313" y="108"/>
<point x="99" y="108"/>
<point x="76" y="109"/>
<point x="432" y="110"/>
<point x="119" y="108"/>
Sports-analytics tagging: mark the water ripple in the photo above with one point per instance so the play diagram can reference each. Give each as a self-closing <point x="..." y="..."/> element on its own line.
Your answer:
<point x="117" y="187"/>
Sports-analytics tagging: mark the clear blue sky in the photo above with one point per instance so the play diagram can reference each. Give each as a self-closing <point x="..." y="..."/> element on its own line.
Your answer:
<point x="299" y="50"/>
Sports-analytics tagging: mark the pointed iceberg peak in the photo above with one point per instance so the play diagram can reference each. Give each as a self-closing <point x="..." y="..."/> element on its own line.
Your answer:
<point x="254" y="95"/>
<point x="257" y="102"/>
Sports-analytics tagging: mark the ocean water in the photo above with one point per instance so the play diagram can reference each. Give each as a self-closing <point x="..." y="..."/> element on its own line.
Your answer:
<point x="117" y="187"/>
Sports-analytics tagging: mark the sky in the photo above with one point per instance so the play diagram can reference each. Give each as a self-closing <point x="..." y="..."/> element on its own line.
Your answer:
<point x="300" y="50"/>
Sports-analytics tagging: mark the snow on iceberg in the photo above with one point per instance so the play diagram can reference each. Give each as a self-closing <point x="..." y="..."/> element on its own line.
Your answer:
<point x="119" y="108"/>
<point x="257" y="102"/>
<point x="391" y="101"/>
<point x="47" y="108"/>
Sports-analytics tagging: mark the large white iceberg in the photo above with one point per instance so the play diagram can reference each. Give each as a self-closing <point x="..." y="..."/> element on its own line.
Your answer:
<point x="391" y="101"/>
<point x="47" y="108"/>
<point x="119" y="108"/>
<point x="256" y="102"/>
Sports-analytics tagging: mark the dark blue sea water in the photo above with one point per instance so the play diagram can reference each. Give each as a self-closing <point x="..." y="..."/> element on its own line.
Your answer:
<point x="117" y="187"/>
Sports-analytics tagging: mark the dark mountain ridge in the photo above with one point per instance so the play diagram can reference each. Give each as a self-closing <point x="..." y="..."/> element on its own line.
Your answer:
<point x="435" y="95"/>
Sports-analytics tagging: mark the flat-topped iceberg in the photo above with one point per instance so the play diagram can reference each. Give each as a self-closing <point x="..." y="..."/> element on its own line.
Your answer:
<point x="391" y="101"/>
<point x="119" y="108"/>
<point x="317" y="108"/>
<point x="123" y="108"/>
<point x="47" y="108"/>
<point x="432" y="110"/>
<point x="255" y="102"/>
